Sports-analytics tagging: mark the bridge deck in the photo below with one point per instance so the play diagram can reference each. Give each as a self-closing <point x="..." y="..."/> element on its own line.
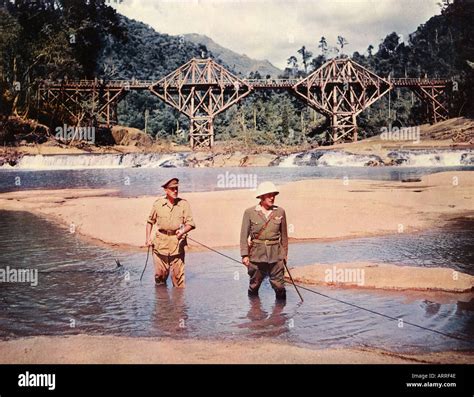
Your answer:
<point x="254" y="83"/>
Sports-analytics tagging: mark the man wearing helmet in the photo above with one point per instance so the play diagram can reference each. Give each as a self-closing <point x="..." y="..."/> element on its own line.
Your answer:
<point x="264" y="241"/>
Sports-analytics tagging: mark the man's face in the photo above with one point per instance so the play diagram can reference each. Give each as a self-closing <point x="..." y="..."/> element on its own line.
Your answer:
<point x="267" y="200"/>
<point x="172" y="192"/>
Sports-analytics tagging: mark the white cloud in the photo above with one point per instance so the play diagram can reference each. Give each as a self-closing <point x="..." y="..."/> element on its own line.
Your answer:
<point x="275" y="30"/>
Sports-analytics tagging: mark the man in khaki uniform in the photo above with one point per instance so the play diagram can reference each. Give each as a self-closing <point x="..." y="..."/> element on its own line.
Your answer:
<point x="265" y="227"/>
<point x="173" y="219"/>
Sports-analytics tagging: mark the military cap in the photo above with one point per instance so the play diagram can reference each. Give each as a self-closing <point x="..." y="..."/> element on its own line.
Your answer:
<point x="173" y="182"/>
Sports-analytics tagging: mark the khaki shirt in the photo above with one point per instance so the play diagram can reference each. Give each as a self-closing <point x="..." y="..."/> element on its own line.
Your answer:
<point x="272" y="243"/>
<point x="169" y="218"/>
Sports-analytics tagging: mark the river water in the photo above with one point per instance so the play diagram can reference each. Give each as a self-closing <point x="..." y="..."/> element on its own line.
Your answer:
<point x="148" y="181"/>
<point x="80" y="290"/>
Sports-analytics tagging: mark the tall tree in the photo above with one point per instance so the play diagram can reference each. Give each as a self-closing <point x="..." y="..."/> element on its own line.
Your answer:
<point x="323" y="45"/>
<point x="342" y="42"/>
<point x="292" y="62"/>
<point x="49" y="39"/>
<point x="306" y="57"/>
<point x="370" y="48"/>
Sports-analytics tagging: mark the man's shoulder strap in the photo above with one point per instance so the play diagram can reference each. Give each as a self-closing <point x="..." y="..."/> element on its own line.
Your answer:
<point x="267" y="221"/>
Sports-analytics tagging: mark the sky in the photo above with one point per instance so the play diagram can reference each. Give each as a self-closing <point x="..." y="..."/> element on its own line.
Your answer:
<point x="276" y="29"/>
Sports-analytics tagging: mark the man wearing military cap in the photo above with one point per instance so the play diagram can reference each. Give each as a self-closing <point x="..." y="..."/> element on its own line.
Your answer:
<point x="173" y="219"/>
<point x="264" y="241"/>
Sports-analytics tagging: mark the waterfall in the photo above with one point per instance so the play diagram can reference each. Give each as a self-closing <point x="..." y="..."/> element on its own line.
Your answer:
<point x="311" y="158"/>
<point x="329" y="158"/>
<point x="289" y="161"/>
<point x="77" y="161"/>
<point x="406" y="158"/>
<point x="433" y="158"/>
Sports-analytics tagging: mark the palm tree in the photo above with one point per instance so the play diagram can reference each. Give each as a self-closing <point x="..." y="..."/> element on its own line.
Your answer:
<point x="370" y="49"/>
<point x="305" y="56"/>
<point x="292" y="62"/>
<point x="323" y="44"/>
<point x="342" y="42"/>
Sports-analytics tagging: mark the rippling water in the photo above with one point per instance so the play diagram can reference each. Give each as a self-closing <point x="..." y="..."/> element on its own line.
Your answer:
<point x="135" y="182"/>
<point x="80" y="290"/>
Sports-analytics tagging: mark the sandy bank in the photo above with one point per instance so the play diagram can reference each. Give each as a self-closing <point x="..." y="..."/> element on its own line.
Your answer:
<point x="384" y="276"/>
<point x="316" y="209"/>
<point x="82" y="349"/>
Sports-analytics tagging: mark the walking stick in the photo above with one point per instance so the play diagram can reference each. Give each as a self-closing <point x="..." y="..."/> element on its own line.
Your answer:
<point x="146" y="262"/>
<point x="291" y="278"/>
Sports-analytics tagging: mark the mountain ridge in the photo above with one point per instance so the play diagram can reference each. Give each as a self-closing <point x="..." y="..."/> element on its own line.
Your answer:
<point x="240" y="63"/>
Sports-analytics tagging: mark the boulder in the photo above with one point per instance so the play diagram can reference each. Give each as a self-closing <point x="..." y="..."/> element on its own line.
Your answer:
<point x="10" y="157"/>
<point x="128" y="136"/>
<point x="15" y="130"/>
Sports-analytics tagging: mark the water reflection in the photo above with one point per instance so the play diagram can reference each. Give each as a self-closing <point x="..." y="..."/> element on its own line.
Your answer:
<point x="170" y="313"/>
<point x="466" y="306"/>
<point x="263" y="324"/>
<point x="431" y="308"/>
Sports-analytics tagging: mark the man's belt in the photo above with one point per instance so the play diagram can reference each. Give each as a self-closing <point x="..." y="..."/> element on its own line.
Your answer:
<point x="167" y="232"/>
<point x="266" y="242"/>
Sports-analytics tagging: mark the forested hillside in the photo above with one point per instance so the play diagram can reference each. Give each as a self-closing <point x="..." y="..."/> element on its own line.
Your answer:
<point x="57" y="39"/>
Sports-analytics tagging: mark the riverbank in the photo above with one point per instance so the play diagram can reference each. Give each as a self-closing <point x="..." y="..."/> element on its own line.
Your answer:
<point x="316" y="209"/>
<point x="433" y="142"/>
<point x="83" y="349"/>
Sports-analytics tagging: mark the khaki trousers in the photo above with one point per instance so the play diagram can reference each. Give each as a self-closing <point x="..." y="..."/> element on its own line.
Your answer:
<point x="164" y="265"/>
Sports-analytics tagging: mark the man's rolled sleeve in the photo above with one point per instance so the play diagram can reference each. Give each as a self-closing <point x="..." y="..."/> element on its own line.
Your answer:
<point x="152" y="217"/>
<point x="188" y="216"/>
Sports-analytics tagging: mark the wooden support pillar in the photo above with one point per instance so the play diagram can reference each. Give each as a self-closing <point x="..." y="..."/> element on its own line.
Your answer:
<point x="353" y="116"/>
<point x="334" y="123"/>
<point x="201" y="132"/>
<point x="354" y="123"/>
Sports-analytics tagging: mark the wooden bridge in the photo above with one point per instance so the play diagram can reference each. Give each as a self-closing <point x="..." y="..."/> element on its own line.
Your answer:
<point x="201" y="89"/>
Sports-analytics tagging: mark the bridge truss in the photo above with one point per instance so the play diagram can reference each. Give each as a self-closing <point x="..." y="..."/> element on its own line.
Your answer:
<point x="201" y="89"/>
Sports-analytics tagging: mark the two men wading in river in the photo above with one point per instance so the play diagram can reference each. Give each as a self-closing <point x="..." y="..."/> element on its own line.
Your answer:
<point x="263" y="238"/>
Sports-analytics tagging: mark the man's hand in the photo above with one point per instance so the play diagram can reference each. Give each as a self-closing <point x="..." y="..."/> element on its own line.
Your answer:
<point x="246" y="261"/>
<point x="148" y="243"/>
<point x="183" y="229"/>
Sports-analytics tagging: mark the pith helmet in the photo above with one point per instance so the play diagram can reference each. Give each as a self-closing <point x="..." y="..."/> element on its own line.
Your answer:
<point x="265" y="188"/>
<point x="173" y="182"/>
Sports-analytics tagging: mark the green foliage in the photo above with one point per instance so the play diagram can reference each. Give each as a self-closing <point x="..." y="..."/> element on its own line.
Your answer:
<point x="146" y="55"/>
<point x="442" y="47"/>
<point x="274" y="118"/>
<point x="49" y="39"/>
<point x="57" y="39"/>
